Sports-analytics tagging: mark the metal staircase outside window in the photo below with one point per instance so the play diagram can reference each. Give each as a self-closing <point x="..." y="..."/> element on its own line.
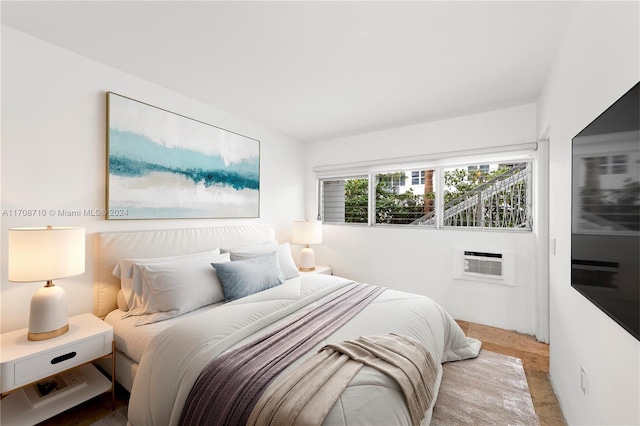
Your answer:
<point x="502" y="202"/>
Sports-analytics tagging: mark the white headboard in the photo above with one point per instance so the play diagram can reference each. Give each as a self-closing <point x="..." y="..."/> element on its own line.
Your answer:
<point x="111" y="247"/>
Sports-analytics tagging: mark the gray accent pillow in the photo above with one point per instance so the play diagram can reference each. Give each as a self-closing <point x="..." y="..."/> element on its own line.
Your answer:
<point x="287" y="265"/>
<point x="242" y="278"/>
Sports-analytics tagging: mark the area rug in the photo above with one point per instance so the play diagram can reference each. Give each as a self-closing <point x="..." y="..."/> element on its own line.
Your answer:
<point x="489" y="390"/>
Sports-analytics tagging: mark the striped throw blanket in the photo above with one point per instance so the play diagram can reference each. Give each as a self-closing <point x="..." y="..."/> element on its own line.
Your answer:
<point x="230" y="386"/>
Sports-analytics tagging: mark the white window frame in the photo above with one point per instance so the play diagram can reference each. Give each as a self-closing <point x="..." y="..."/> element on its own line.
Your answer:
<point x="618" y="167"/>
<point x="347" y="177"/>
<point x="437" y="162"/>
<point x="421" y="177"/>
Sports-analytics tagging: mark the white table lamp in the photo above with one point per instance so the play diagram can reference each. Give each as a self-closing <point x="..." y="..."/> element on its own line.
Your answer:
<point x="307" y="232"/>
<point x="45" y="254"/>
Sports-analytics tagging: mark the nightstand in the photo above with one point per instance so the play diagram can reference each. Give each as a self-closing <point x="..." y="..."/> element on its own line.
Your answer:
<point x="26" y="363"/>
<point x="319" y="270"/>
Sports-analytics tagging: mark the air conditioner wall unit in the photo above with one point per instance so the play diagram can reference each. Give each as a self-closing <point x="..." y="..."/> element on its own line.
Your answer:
<point x="497" y="267"/>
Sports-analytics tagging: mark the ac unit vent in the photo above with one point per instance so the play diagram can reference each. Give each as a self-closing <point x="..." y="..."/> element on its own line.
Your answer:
<point x="485" y="267"/>
<point x="483" y="264"/>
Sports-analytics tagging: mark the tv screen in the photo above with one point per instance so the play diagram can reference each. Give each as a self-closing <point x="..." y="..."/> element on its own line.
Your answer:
<point x="605" y="216"/>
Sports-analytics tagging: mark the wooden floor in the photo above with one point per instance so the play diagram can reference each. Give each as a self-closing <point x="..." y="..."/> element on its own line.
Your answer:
<point x="534" y="356"/>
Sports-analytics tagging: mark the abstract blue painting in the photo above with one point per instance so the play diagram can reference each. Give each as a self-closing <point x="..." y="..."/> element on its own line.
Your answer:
<point x="162" y="165"/>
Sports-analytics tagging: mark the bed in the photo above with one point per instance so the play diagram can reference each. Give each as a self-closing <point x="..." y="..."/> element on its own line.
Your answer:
<point x="175" y="330"/>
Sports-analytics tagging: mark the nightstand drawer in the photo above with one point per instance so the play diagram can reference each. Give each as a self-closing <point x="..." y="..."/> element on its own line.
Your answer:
<point x="62" y="358"/>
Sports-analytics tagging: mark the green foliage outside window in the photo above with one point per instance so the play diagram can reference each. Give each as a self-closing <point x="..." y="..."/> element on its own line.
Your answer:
<point x="356" y="201"/>
<point x="392" y="207"/>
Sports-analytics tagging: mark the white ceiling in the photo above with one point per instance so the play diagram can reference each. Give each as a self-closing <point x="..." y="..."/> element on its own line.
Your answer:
<point x="318" y="70"/>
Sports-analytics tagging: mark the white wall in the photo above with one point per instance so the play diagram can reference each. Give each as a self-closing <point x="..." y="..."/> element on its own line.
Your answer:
<point x="597" y="63"/>
<point x="54" y="155"/>
<point x="379" y="255"/>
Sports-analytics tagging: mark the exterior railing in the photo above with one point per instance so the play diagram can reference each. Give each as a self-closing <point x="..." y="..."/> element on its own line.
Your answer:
<point x="501" y="202"/>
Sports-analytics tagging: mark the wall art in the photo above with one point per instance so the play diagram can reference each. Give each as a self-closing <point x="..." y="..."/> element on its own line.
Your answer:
<point x="162" y="165"/>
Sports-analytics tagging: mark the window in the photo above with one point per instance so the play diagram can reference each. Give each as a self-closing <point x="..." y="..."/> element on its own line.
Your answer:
<point x="604" y="165"/>
<point x="497" y="198"/>
<point x="417" y="177"/>
<point x="396" y="180"/>
<point x="406" y="206"/>
<point x="483" y="168"/>
<point x="345" y="200"/>
<point x="436" y="191"/>
<point x="619" y="165"/>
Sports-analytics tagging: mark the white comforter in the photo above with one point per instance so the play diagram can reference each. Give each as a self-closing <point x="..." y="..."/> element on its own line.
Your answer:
<point x="175" y="358"/>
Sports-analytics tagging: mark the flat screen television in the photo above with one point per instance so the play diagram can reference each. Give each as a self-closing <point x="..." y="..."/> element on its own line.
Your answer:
<point x="605" y="212"/>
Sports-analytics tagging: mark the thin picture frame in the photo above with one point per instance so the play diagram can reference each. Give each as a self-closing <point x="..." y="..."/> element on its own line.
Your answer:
<point x="163" y="165"/>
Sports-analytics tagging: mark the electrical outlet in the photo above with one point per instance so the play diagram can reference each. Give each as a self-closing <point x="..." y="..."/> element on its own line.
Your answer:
<point x="583" y="380"/>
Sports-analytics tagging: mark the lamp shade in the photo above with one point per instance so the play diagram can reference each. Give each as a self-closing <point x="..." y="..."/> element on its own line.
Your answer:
<point x="42" y="254"/>
<point x="307" y="232"/>
<point x="46" y="254"/>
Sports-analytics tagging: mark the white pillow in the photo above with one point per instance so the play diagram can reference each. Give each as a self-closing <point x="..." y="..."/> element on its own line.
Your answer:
<point x="287" y="265"/>
<point x="124" y="271"/>
<point x="122" y="304"/>
<point x="173" y="288"/>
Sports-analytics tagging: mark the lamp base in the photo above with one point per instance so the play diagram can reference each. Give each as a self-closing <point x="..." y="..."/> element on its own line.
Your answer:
<point x="48" y="334"/>
<point x="307" y="259"/>
<point x="48" y="313"/>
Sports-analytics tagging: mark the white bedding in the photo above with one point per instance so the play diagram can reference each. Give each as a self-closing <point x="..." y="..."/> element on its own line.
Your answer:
<point x="173" y="354"/>
<point x="133" y="340"/>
